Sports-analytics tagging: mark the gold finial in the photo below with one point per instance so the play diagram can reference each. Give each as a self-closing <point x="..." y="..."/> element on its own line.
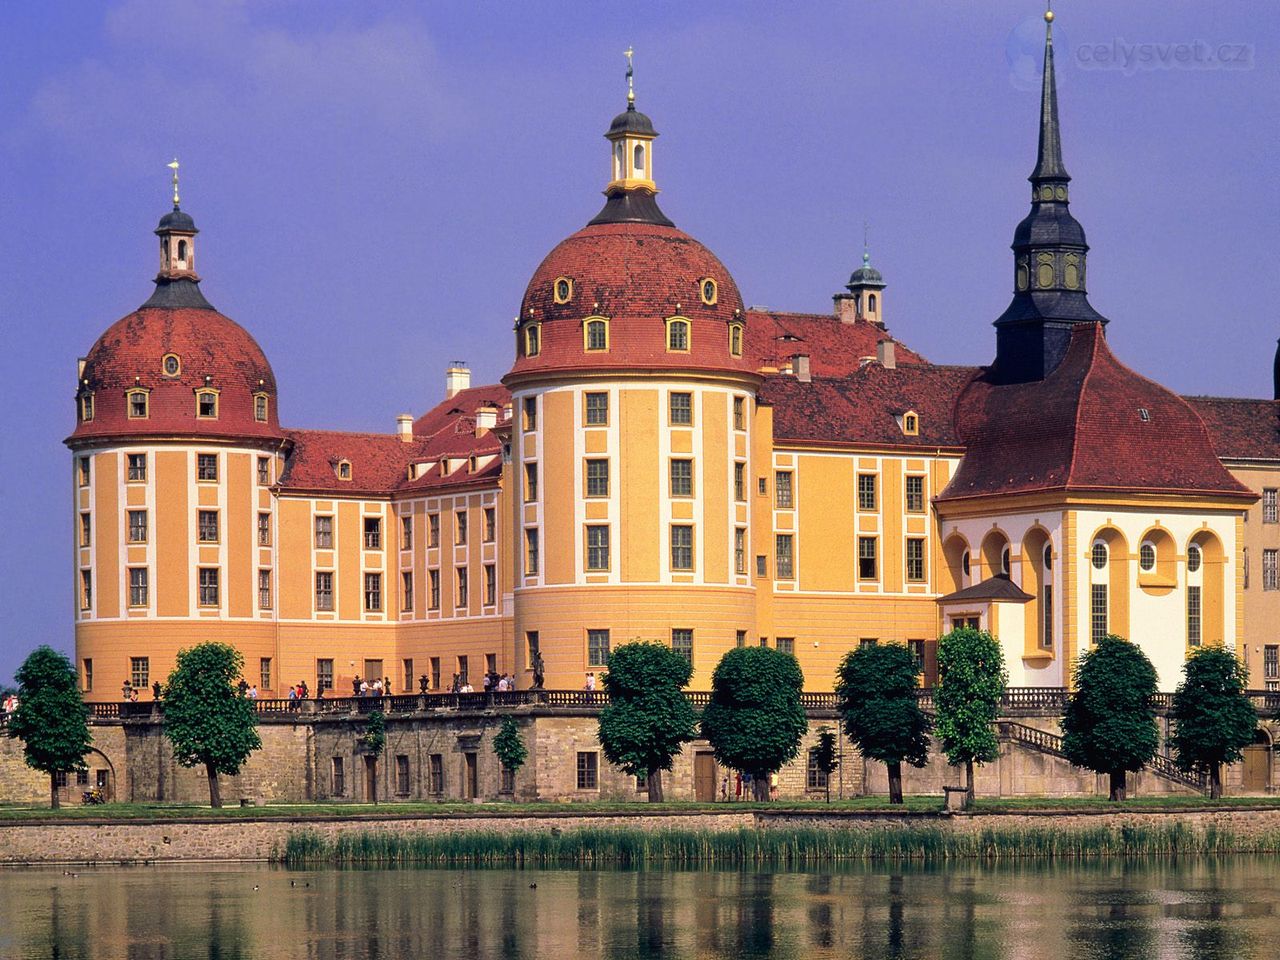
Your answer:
<point x="631" y="88"/>
<point x="1048" y="11"/>
<point x="174" y="167"/>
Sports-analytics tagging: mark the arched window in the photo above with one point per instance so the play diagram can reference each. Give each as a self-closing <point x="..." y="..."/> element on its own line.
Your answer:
<point x="260" y="407"/>
<point x="182" y="250"/>
<point x="1046" y="600"/>
<point x="618" y="155"/>
<point x="871" y="303"/>
<point x="735" y="339"/>
<point x="1194" y="558"/>
<point x="964" y="563"/>
<point x="639" y="158"/>
<point x="532" y="340"/>
<point x="1099" y="555"/>
<point x="86" y="406"/>
<point x="596" y="334"/>
<point x="678" y="335"/>
<point x="344" y="469"/>
<point x="1147" y="556"/>
<point x="1004" y="561"/>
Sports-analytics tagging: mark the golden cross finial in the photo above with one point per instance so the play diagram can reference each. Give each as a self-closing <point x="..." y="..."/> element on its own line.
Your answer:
<point x="174" y="167"/>
<point x="631" y="89"/>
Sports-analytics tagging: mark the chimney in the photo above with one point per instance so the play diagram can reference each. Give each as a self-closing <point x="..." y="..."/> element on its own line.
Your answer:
<point x="800" y="366"/>
<point x="486" y="419"/>
<point x="456" y="379"/>
<point x="846" y="307"/>
<point x="404" y="427"/>
<point x="885" y="354"/>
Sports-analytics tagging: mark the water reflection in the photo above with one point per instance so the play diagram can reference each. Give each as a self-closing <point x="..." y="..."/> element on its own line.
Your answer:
<point x="1210" y="910"/>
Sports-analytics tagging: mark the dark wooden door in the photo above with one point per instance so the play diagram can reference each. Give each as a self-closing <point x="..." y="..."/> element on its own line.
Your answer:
<point x="470" y="786"/>
<point x="371" y="779"/>
<point x="1257" y="765"/>
<point x="704" y="777"/>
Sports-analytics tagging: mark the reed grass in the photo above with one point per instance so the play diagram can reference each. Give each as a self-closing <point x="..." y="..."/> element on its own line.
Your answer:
<point x="798" y="847"/>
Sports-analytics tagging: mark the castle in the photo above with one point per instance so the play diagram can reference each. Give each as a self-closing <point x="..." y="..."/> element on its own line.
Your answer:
<point x="663" y="462"/>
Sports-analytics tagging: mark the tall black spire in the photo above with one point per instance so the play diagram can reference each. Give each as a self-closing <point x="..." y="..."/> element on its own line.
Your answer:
<point x="1049" y="250"/>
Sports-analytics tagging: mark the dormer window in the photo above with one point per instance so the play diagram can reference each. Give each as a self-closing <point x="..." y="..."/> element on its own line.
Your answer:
<point x="137" y="404"/>
<point x="171" y="365"/>
<point x="562" y="290"/>
<point x="709" y="291"/>
<point x="532" y="339"/>
<point x="207" y="404"/>
<point x="1144" y="414"/>
<point x="911" y="424"/>
<point x="735" y="339"/>
<point x="260" y="407"/>
<point x="677" y="335"/>
<point x="595" y="334"/>
<point x="86" y="406"/>
<point x="344" y="469"/>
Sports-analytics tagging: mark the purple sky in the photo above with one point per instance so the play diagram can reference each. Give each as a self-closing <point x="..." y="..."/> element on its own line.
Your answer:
<point x="375" y="183"/>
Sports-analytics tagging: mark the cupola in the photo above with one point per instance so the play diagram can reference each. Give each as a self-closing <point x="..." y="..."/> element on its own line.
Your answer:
<point x="865" y="297"/>
<point x="631" y="190"/>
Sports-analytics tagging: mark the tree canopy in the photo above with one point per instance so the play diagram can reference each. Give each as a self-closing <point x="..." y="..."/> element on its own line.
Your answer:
<point x="648" y="719"/>
<point x="1213" y="719"/>
<point x="509" y="746"/>
<point x="1109" y="725"/>
<point x="208" y="721"/>
<point x="972" y="680"/>
<point x="876" y="697"/>
<point x="755" y="720"/>
<point x="824" y="756"/>
<point x="50" y="719"/>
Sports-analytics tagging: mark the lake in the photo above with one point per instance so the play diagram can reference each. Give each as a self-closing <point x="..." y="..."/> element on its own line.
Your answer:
<point x="1131" y="910"/>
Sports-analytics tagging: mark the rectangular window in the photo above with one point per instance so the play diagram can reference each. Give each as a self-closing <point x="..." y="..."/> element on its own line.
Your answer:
<point x="406" y="591"/>
<point x="373" y="592"/>
<point x="1193" y="616"/>
<point x="490" y="584"/>
<point x="681" y="409"/>
<point x="1098" y="612"/>
<point x="137" y="525"/>
<point x="1270" y="510"/>
<point x="588" y="770"/>
<point x="264" y="673"/>
<point x="264" y="471"/>
<point x="1244" y="557"/>
<point x="437" y="774"/>
<point x="764" y="641"/>
<point x="597" y="478"/>
<point x="137" y="586"/>
<point x="865" y="642"/>
<point x="598" y="547"/>
<point x="740" y="638"/>
<point x="339" y="777"/>
<point x="530" y="481"/>
<point x="915" y="494"/>
<point x="1269" y="577"/>
<point x="264" y="589"/>
<point x="597" y="648"/>
<point x="682" y="643"/>
<point x="815" y="777"/>
<point x="86" y="529"/>
<point x="597" y="410"/>
<point x="1270" y="662"/>
<point x="137" y="467"/>
<point x="531" y="552"/>
<point x="681" y="472"/>
<point x="866" y="558"/>
<point x="324" y="674"/>
<point x="406" y="533"/>
<point x="140" y="672"/>
<point x="762" y="565"/>
<point x="460" y="527"/>
<point x="531" y="413"/>
<point x="206" y="466"/>
<point x="462" y="670"/>
<point x="137" y="405"/>
<point x="324" y="590"/>
<point x="435" y="673"/>
<point x="490" y="524"/>
<point x="762" y="486"/>
<point x="264" y="529"/>
<point x="373" y="533"/>
<point x="740" y="550"/>
<point x="782" y="488"/>
<point x="460" y="597"/>
<point x="782" y="556"/>
<point x="682" y="547"/>
<point x="324" y="533"/>
<point x="88" y="675"/>
<point x="402" y="775"/>
<point x="740" y="482"/>
<point x="915" y="559"/>
<point x="433" y="578"/>
<point x="866" y="491"/>
<point x="60" y="779"/>
<point x="84" y="471"/>
<point x="1046" y="617"/>
<point x="433" y="530"/>
<point x="787" y="645"/>
<point x="206" y="404"/>
<point x="739" y="413"/>
<point x="508" y="783"/>
<point x="208" y="579"/>
<point x="916" y="649"/>
<point x="207" y="526"/>
<point x="86" y="590"/>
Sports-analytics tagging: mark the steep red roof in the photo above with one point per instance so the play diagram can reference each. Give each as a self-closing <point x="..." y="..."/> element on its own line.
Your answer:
<point x="213" y="350"/>
<point x="637" y="275"/>
<point x="835" y="349"/>
<point x="866" y="407"/>
<point x="1241" y="429"/>
<point x="1083" y="428"/>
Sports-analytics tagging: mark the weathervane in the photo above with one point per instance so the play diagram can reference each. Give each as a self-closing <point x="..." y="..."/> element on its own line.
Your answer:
<point x="174" y="167"/>
<point x="631" y="89"/>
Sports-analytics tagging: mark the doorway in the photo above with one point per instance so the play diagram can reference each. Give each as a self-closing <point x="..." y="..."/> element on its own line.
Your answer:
<point x="1257" y="764"/>
<point x="704" y="776"/>
<point x="470" y="784"/>
<point x="371" y="779"/>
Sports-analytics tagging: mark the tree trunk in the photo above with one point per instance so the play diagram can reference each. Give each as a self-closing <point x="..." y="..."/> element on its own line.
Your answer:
<point x="760" y="785"/>
<point x="968" y="784"/>
<point x="1215" y="782"/>
<point x="828" y="788"/>
<point x="655" y="786"/>
<point x="215" y="796"/>
<point x="53" y="791"/>
<point x="895" y="782"/>
<point x="1117" y="784"/>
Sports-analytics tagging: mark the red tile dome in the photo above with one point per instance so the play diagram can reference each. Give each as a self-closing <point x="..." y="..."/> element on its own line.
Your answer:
<point x="637" y="275"/>
<point x="210" y="350"/>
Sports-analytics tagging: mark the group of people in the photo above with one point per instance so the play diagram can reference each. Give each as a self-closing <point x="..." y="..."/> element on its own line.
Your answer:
<point x="743" y="786"/>
<point x="10" y="704"/>
<point x="378" y="688"/>
<point x="298" y="691"/>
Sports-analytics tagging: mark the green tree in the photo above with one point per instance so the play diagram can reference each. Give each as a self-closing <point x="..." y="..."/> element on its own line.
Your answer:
<point x="824" y="756"/>
<point x="648" y="719"/>
<point x="50" y="719"/>
<point x="1213" y="719"/>
<point x="374" y="741"/>
<point x="755" y="720"/>
<point x="876" y="697"/>
<point x="207" y="720"/>
<point x="1109" y="726"/>
<point x="509" y="746"/>
<point x="973" y="677"/>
